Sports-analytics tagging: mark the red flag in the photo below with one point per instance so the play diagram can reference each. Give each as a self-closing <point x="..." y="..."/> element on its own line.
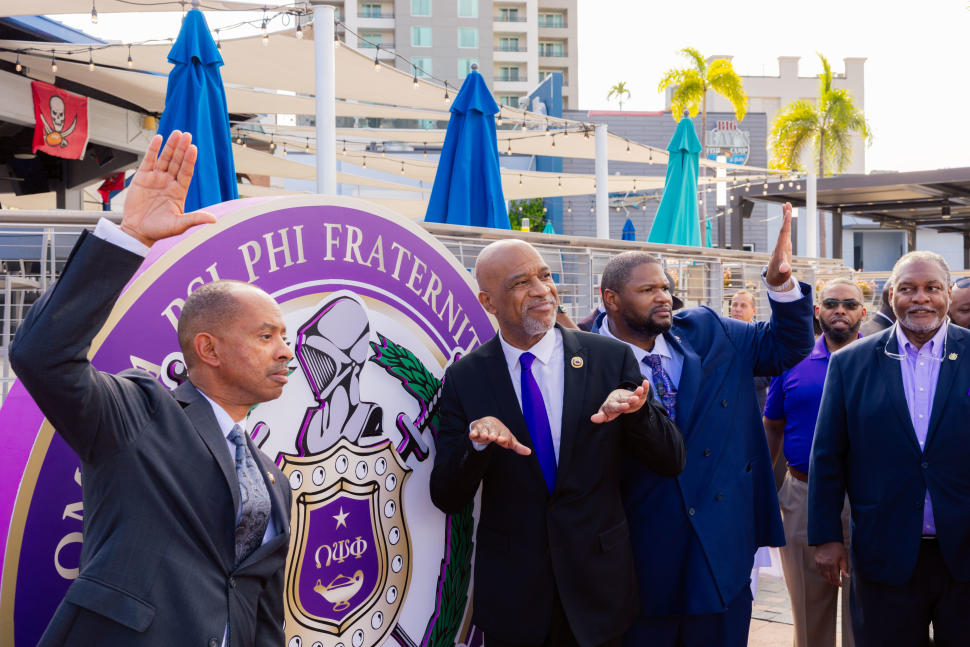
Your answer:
<point x="112" y="184"/>
<point x="60" y="121"/>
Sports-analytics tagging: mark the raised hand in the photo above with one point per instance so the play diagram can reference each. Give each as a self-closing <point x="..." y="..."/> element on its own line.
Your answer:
<point x="155" y="204"/>
<point x="779" y="266"/>
<point x="491" y="430"/>
<point x="621" y="401"/>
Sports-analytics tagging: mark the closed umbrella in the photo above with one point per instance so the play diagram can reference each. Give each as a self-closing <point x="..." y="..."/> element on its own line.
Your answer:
<point x="676" y="220"/>
<point x="468" y="184"/>
<point x="548" y="229"/>
<point x="195" y="102"/>
<point x="629" y="231"/>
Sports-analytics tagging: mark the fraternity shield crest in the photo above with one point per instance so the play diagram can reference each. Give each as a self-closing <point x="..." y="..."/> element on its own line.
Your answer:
<point x="349" y="558"/>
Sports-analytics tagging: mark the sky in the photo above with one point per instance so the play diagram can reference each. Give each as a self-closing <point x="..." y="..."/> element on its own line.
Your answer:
<point x="916" y="72"/>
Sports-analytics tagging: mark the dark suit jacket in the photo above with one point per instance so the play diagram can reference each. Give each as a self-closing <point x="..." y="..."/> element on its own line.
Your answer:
<point x="159" y="484"/>
<point x="876" y="324"/>
<point x="530" y="544"/>
<point x="865" y="445"/>
<point x="695" y="536"/>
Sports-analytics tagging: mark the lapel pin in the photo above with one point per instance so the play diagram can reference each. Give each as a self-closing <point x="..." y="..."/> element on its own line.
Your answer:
<point x="677" y="338"/>
<point x="953" y="356"/>
<point x="576" y="362"/>
<point x="272" y="479"/>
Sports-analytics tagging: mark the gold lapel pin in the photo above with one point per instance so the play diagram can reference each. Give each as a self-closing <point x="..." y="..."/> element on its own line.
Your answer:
<point x="272" y="479"/>
<point x="576" y="362"/>
<point x="677" y="338"/>
<point x="953" y="356"/>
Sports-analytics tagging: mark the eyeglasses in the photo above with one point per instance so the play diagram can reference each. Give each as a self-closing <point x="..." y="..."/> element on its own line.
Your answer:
<point x="848" y="304"/>
<point x="920" y="354"/>
<point x="962" y="283"/>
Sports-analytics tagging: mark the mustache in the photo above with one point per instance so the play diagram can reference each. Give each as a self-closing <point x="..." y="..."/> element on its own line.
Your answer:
<point x="540" y="301"/>
<point x="915" y="309"/>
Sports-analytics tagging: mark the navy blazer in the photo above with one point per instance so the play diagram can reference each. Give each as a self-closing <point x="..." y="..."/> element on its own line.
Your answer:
<point x="159" y="485"/>
<point x="865" y="445"/>
<point x="694" y="536"/>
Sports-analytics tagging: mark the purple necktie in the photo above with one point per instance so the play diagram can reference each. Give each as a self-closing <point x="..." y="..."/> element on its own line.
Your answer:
<point x="663" y="386"/>
<point x="537" y="420"/>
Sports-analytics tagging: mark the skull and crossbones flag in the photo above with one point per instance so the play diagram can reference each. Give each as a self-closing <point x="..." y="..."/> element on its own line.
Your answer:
<point x="60" y="121"/>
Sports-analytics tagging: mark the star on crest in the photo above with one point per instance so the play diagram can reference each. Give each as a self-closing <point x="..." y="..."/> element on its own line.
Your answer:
<point x="341" y="518"/>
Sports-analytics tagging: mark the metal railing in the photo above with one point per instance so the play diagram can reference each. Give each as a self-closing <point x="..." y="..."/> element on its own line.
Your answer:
<point x="375" y="14"/>
<point x="35" y="245"/>
<point x="510" y="48"/>
<point x="508" y="18"/>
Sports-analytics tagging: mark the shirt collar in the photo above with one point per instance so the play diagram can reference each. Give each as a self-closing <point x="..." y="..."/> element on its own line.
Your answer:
<point x="933" y="348"/>
<point x="660" y="345"/>
<point x="821" y="349"/>
<point x="542" y="349"/>
<point x="223" y="419"/>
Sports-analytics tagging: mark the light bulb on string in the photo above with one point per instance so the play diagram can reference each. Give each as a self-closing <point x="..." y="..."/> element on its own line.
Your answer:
<point x="524" y="127"/>
<point x="18" y="66"/>
<point x="364" y="163"/>
<point x="284" y="149"/>
<point x="90" y="60"/>
<point x="498" y="119"/>
<point x="94" y="14"/>
<point x="509" y="150"/>
<point x="299" y="28"/>
<point x="560" y="180"/>
<point x="447" y="97"/>
<point x="425" y="145"/>
<point x="244" y="144"/>
<point x="553" y="141"/>
<point x="131" y="63"/>
<point x="586" y="133"/>
<point x="272" y="145"/>
<point x="53" y="63"/>
<point x="402" y="168"/>
<point x="520" y="179"/>
<point x="383" y="151"/>
<point x="343" y="150"/>
<point x="628" y="148"/>
<point x="377" y="63"/>
<point x="264" y="28"/>
<point x="569" y="208"/>
<point x="414" y="81"/>
<point x="218" y="42"/>
<point x="548" y="128"/>
<point x="265" y="39"/>
<point x="307" y="147"/>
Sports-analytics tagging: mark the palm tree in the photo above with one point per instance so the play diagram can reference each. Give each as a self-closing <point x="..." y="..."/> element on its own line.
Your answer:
<point x="825" y="126"/>
<point x="691" y="85"/>
<point x="619" y="91"/>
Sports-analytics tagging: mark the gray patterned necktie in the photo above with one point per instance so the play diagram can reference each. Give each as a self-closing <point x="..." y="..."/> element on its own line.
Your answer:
<point x="254" y="506"/>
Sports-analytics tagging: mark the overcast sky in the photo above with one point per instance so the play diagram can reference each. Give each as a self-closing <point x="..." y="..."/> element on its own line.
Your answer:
<point x="917" y="82"/>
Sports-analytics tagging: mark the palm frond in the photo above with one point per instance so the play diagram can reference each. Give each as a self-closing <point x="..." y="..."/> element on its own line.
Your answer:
<point x="825" y="78"/>
<point x="688" y="94"/>
<point x="795" y="127"/>
<point x="725" y="81"/>
<point x="695" y="57"/>
<point x="671" y="78"/>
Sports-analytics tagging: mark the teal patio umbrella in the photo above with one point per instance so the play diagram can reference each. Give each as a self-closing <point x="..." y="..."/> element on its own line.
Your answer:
<point x="676" y="220"/>
<point x="548" y="229"/>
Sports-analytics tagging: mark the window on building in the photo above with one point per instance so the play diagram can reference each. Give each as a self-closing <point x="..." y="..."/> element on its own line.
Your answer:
<point x="544" y="73"/>
<point x="420" y="7"/>
<point x="509" y="73"/>
<point x="508" y="14"/>
<point x="370" y="11"/>
<point x="551" y="48"/>
<point x="511" y="100"/>
<point x="508" y="44"/>
<point x="551" y="20"/>
<point x="468" y="8"/>
<point x="422" y="65"/>
<point x="468" y="37"/>
<point x="370" y="39"/>
<point x="420" y="36"/>
<point x="465" y="66"/>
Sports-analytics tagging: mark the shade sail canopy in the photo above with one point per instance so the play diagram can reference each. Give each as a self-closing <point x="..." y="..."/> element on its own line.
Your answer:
<point x="676" y="220"/>
<point x="54" y="7"/>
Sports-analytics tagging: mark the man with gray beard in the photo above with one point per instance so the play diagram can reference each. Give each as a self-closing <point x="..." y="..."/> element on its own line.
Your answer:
<point x="540" y="416"/>
<point x="891" y="433"/>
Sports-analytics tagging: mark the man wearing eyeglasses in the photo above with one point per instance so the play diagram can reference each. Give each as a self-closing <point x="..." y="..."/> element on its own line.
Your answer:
<point x="790" y="414"/>
<point x="960" y="303"/>
<point x="892" y="433"/>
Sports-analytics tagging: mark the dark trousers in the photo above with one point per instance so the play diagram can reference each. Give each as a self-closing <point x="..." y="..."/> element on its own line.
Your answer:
<point x="560" y="633"/>
<point x="728" y="629"/>
<point x="901" y="615"/>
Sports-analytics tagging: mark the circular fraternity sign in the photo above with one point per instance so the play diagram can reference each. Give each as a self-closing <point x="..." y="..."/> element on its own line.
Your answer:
<point x="376" y="309"/>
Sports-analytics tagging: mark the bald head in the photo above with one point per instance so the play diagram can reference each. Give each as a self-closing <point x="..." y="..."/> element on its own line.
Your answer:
<point x="496" y="256"/>
<point x="212" y="308"/>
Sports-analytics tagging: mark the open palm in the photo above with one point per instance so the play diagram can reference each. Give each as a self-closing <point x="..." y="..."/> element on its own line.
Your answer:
<point x="155" y="204"/>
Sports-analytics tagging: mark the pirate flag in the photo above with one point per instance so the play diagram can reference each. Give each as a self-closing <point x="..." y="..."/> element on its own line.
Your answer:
<point x="60" y="121"/>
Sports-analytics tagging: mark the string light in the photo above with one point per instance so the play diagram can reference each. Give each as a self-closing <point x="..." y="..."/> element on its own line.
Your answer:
<point x="548" y="128"/>
<point x="299" y="28"/>
<point x="218" y="42"/>
<point x="520" y="179"/>
<point x="364" y="163"/>
<point x="560" y="180"/>
<point x="634" y="185"/>
<point x="94" y="13"/>
<point x="569" y="207"/>
<point x="53" y="63"/>
<point x="131" y="63"/>
<point x="447" y="98"/>
<point x="272" y="145"/>
<point x="263" y="28"/>
<point x="414" y="81"/>
<point x="553" y="141"/>
<point x="524" y="127"/>
<point x="265" y="35"/>
<point x="307" y="147"/>
<point x="377" y="63"/>
<point x="628" y="148"/>
<point x="402" y="168"/>
<point x="425" y="144"/>
<point x="90" y="60"/>
<point x="284" y="149"/>
<point x="18" y="66"/>
<point x="343" y="150"/>
<point x="509" y="150"/>
<point x="586" y="132"/>
<point x="244" y="144"/>
<point x="498" y="120"/>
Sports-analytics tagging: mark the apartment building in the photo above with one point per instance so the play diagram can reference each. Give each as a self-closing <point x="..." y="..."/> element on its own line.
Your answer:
<point x="515" y="43"/>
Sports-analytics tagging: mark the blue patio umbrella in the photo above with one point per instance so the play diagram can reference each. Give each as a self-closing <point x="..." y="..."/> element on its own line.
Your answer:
<point x="195" y="102"/>
<point x="629" y="231"/>
<point x="676" y="220"/>
<point x="468" y="184"/>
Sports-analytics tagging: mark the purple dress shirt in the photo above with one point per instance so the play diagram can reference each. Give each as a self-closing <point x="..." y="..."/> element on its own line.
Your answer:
<point x="920" y="370"/>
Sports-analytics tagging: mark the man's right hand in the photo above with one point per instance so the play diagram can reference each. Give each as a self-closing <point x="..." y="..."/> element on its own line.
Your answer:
<point x="832" y="560"/>
<point x="491" y="430"/>
<point x="155" y="203"/>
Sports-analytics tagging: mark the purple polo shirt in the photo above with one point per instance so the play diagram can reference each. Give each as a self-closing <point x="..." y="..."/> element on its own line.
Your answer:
<point x="920" y="372"/>
<point x="795" y="396"/>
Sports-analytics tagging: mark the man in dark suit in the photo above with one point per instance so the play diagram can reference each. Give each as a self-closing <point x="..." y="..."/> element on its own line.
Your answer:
<point x="883" y="318"/>
<point x="186" y="522"/>
<point x="892" y="434"/>
<point x="540" y="417"/>
<point x="695" y="536"/>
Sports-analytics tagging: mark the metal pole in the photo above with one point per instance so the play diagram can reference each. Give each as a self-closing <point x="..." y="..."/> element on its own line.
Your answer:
<point x="602" y="183"/>
<point x="324" y="50"/>
<point x="811" y="215"/>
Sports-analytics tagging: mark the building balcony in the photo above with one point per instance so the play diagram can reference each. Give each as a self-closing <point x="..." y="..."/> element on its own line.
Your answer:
<point x="510" y="57"/>
<point x="376" y="21"/>
<point x="510" y="48"/>
<point x="516" y="26"/>
<point x="375" y="14"/>
<point x="501" y="18"/>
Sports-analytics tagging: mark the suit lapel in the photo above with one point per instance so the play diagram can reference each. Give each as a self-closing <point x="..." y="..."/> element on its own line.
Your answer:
<point x="573" y="392"/>
<point x="199" y="411"/>
<point x="890" y="368"/>
<point x="507" y="405"/>
<point x="953" y="345"/>
<point x="690" y="379"/>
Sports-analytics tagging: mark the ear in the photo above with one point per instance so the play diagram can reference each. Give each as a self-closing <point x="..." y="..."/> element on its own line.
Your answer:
<point x="611" y="300"/>
<point x="486" y="301"/>
<point x="817" y="309"/>
<point x="204" y="345"/>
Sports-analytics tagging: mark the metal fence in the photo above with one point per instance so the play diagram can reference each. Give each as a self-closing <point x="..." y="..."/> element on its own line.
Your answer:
<point x="35" y="244"/>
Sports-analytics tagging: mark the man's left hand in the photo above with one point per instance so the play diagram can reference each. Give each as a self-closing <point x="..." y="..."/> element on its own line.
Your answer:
<point x="621" y="401"/>
<point x="779" y="266"/>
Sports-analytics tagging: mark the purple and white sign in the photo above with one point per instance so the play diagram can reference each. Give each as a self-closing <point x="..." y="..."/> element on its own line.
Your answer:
<point x="377" y="309"/>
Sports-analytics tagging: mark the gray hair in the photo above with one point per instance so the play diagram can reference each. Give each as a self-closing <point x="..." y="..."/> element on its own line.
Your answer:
<point x="931" y="257"/>
<point x="209" y="308"/>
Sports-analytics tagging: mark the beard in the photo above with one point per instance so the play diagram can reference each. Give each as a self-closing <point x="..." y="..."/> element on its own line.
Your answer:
<point x="907" y="322"/>
<point x="840" y="336"/>
<point x="646" y="325"/>
<point x="532" y="325"/>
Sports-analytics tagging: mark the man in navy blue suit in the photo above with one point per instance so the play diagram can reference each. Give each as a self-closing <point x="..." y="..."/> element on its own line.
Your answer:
<point x="695" y="535"/>
<point x="892" y="433"/>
